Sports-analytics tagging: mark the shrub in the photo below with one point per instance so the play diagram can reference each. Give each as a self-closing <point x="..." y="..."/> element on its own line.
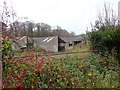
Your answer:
<point x="6" y="51"/>
<point x="6" y="47"/>
<point x="107" y="39"/>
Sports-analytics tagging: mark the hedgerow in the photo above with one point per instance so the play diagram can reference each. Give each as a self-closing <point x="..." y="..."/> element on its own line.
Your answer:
<point x="107" y="39"/>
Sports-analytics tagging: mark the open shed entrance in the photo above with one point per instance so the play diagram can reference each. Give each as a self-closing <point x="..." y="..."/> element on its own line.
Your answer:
<point x="77" y="42"/>
<point x="61" y="44"/>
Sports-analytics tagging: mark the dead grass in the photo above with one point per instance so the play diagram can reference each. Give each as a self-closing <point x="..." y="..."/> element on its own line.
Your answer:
<point x="79" y="47"/>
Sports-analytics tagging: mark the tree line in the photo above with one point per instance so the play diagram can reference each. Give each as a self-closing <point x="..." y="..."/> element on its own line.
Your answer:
<point x="31" y="29"/>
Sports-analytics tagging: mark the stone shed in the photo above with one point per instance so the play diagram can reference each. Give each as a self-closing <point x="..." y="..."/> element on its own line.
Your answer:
<point x="71" y="41"/>
<point x="51" y="43"/>
<point x="21" y="43"/>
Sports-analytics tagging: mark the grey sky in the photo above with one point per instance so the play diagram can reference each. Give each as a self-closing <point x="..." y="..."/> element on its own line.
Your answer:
<point x="72" y="15"/>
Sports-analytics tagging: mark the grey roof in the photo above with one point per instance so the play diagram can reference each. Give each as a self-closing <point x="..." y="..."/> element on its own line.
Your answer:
<point x="67" y="39"/>
<point x="47" y="39"/>
<point x="43" y="39"/>
<point x="61" y="39"/>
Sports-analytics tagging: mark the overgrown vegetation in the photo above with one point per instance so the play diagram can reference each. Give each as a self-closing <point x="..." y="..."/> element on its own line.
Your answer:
<point x="106" y="33"/>
<point x="106" y="40"/>
<point x="6" y="49"/>
<point x="70" y="71"/>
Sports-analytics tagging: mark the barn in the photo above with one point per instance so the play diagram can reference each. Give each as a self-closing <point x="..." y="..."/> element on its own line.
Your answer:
<point x="71" y="41"/>
<point x="55" y="43"/>
<point x="21" y="43"/>
<point x="51" y="43"/>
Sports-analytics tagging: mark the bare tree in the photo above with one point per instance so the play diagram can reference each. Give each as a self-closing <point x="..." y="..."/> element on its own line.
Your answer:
<point x="8" y="17"/>
<point x="30" y="29"/>
<point x="106" y="18"/>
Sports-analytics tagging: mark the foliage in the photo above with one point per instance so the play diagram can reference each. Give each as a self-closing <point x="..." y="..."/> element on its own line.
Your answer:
<point x="6" y="51"/>
<point x="5" y="47"/>
<point x="108" y="39"/>
<point x="61" y="72"/>
<point x="106" y="32"/>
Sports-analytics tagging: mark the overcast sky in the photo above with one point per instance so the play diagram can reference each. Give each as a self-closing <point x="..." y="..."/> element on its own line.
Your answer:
<point x="72" y="15"/>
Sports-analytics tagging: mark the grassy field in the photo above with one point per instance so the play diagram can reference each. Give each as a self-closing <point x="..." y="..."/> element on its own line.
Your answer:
<point x="79" y="47"/>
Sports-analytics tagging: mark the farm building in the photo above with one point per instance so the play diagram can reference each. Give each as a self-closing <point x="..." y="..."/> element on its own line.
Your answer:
<point x="55" y="43"/>
<point x="71" y="41"/>
<point x="21" y="43"/>
<point x="52" y="43"/>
